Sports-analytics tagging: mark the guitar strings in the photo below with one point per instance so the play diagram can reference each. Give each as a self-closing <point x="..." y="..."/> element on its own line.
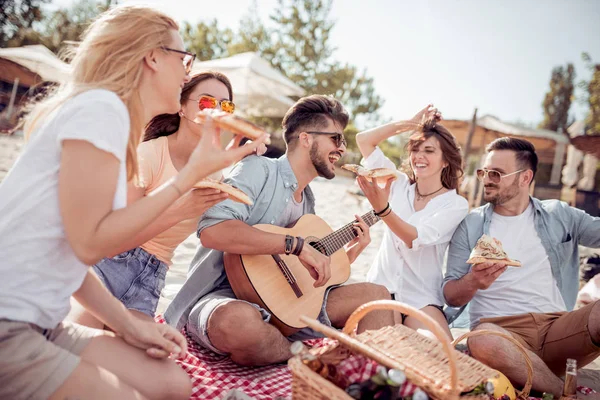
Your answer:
<point x="336" y="240"/>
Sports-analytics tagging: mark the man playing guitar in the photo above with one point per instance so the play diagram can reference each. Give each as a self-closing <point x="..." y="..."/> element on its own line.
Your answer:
<point x="207" y="306"/>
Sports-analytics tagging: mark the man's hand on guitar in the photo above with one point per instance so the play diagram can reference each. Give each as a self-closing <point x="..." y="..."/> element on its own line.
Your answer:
<point x="317" y="264"/>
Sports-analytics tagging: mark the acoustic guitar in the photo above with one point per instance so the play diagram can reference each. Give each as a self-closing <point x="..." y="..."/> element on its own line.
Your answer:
<point x="280" y="283"/>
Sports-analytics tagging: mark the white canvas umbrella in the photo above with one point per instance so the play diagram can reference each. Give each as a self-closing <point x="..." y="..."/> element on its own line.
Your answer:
<point x="258" y="88"/>
<point x="38" y="59"/>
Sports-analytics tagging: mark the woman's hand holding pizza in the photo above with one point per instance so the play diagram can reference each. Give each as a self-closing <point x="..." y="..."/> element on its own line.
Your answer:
<point x="377" y="196"/>
<point x="195" y="202"/>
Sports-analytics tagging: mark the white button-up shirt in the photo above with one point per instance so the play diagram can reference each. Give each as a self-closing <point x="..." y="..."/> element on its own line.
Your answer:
<point x="414" y="275"/>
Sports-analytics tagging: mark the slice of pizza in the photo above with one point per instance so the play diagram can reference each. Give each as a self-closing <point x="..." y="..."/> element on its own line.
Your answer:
<point x="234" y="193"/>
<point x="489" y="249"/>
<point x="380" y="175"/>
<point x="233" y="123"/>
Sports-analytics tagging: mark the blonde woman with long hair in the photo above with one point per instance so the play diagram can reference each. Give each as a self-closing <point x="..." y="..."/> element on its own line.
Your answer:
<point x="63" y="208"/>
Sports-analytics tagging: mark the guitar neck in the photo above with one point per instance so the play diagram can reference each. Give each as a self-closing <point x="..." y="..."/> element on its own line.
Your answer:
<point x="338" y="239"/>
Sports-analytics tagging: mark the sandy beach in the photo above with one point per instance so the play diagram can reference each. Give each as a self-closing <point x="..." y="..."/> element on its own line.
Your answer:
<point x="336" y="203"/>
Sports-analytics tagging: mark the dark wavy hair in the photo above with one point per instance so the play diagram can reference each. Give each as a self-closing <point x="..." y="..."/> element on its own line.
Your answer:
<point x="312" y="112"/>
<point x="167" y="124"/>
<point x="523" y="149"/>
<point x="451" y="151"/>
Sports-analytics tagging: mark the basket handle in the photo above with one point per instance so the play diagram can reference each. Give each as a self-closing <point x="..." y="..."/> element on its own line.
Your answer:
<point x="524" y="394"/>
<point x="430" y="323"/>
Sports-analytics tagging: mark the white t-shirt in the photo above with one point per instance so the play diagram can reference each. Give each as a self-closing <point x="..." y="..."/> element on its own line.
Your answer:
<point x="513" y="292"/>
<point x="292" y="213"/>
<point x="38" y="267"/>
<point x="414" y="275"/>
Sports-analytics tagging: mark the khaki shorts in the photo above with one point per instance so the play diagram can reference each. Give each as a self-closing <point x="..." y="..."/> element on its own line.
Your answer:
<point x="35" y="362"/>
<point x="554" y="337"/>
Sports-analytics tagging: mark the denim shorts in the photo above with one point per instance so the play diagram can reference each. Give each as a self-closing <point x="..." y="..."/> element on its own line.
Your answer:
<point x="135" y="277"/>
<point x="197" y="325"/>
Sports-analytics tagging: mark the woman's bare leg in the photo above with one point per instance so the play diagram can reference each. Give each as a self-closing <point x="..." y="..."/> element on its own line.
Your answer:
<point x="92" y="382"/>
<point x="116" y="366"/>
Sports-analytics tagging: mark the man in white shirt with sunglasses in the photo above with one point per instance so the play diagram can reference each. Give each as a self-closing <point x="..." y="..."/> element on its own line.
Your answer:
<point x="533" y="302"/>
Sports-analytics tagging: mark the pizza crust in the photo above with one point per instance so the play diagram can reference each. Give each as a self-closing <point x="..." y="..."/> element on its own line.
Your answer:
<point x="380" y="175"/>
<point x="489" y="249"/>
<point x="506" y="261"/>
<point x="234" y="193"/>
<point x="233" y="123"/>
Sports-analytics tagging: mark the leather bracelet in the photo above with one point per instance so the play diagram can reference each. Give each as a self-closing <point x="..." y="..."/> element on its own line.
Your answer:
<point x="299" y="246"/>
<point x="386" y="214"/>
<point x="289" y="243"/>
<point x="382" y="211"/>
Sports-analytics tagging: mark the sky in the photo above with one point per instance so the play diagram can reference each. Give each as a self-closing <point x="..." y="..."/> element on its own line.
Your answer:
<point x="493" y="55"/>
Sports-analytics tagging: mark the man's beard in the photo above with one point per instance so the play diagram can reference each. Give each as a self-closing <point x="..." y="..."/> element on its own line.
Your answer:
<point x="322" y="166"/>
<point x="504" y="196"/>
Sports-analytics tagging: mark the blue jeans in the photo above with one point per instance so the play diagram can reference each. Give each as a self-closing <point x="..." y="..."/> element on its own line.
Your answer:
<point x="135" y="277"/>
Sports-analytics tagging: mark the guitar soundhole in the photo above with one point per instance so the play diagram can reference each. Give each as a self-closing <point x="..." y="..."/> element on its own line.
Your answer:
<point x="314" y="242"/>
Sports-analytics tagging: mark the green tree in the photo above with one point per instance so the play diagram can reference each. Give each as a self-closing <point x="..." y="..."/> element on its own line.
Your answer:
<point x="66" y="25"/>
<point x="593" y="119"/>
<point x="207" y="40"/>
<point x="558" y="100"/>
<point x="297" y="42"/>
<point x="17" y="19"/>
<point x="591" y="95"/>
<point x="252" y="34"/>
<point x="34" y="25"/>
<point x="303" y="52"/>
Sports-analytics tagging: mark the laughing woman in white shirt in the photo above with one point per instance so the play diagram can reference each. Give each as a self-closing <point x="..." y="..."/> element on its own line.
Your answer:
<point x="421" y="210"/>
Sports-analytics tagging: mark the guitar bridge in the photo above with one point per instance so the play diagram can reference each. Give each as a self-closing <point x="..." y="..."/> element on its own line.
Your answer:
<point x="289" y="277"/>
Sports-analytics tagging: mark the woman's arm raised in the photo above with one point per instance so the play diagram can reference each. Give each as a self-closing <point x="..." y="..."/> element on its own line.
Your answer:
<point x="368" y="140"/>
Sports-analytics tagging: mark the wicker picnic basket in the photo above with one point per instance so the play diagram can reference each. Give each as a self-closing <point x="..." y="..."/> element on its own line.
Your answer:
<point x="434" y="366"/>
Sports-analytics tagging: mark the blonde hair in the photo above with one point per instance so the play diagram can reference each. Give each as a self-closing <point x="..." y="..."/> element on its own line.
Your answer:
<point x="111" y="56"/>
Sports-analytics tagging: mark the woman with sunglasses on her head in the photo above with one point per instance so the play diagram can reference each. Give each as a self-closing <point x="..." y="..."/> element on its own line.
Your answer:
<point x="137" y="277"/>
<point x="63" y="207"/>
<point x="421" y="210"/>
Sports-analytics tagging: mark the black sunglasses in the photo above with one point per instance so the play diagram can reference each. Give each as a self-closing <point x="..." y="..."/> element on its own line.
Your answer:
<point x="188" y="60"/>
<point x="338" y="138"/>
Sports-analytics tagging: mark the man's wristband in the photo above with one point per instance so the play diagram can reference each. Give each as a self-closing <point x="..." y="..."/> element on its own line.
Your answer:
<point x="378" y="213"/>
<point x="289" y="242"/>
<point x="299" y="246"/>
<point x="386" y="214"/>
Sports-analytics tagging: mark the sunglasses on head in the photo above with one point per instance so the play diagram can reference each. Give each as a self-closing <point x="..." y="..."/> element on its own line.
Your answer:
<point x="209" y="102"/>
<point x="493" y="175"/>
<point x="338" y="138"/>
<point x="188" y="59"/>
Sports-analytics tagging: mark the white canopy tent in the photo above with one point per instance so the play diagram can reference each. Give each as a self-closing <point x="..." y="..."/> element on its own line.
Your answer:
<point x="258" y="88"/>
<point x="38" y="59"/>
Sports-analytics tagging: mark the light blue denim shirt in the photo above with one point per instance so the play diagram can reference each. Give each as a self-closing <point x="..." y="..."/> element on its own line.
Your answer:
<point x="560" y="228"/>
<point x="270" y="183"/>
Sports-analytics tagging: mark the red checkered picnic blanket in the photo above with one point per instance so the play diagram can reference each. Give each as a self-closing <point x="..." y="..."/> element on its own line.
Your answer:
<point x="213" y="375"/>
